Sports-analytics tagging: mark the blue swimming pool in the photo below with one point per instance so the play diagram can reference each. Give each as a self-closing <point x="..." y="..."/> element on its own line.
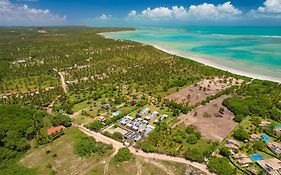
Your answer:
<point x="265" y="138"/>
<point x="256" y="157"/>
<point x="278" y="126"/>
<point x="116" y="113"/>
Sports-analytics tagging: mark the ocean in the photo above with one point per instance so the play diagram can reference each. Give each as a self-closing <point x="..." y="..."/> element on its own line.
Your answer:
<point x="251" y="51"/>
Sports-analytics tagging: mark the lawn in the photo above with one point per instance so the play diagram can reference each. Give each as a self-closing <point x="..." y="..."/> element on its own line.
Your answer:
<point x="59" y="157"/>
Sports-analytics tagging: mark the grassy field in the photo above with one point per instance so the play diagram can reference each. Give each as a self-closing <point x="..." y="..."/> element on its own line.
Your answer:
<point x="59" y="157"/>
<point x="135" y="166"/>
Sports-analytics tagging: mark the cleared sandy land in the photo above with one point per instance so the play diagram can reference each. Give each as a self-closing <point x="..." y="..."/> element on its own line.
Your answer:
<point x="196" y="93"/>
<point x="216" y="126"/>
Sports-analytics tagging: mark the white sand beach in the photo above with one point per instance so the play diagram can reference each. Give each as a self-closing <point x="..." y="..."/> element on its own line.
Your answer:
<point x="215" y="65"/>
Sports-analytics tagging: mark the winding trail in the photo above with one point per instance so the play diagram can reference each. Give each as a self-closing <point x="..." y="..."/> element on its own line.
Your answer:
<point x="51" y="106"/>
<point x="106" y="166"/>
<point x="139" y="167"/>
<point x="63" y="84"/>
<point x="117" y="145"/>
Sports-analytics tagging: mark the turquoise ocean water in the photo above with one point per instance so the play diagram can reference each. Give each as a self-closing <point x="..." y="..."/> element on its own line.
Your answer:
<point x="254" y="50"/>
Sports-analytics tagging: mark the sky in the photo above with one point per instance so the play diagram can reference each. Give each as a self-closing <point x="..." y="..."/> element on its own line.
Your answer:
<point x="139" y="12"/>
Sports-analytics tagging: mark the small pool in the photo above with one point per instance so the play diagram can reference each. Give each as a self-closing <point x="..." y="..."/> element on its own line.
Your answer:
<point x="116" y="113"/>
<point x="278" y="126"/>
<point x="256" y="157"/>
<point x="265" y="138"/>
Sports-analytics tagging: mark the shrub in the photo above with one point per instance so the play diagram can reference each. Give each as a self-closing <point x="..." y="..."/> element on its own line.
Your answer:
<point x="117" y="136"/>
<point x="238" y="118"/>
<point x="87" y="146"/>
<point x="259" y="145"/>
<point x="147" y="147"/>
<point x="194" y="155"/>
<point x="178" y="139"/>
<point x="192" y="139"/>
<point x="241" y="134"/>
<point x="123" y="154"/>
<point x="220" y="166"/>
<point x="224" y="151"/>
<point x="60" y="119"/>
<point x="95" y="125"/>
<point x="189" y="130"/>
<point x="206" y="114"/>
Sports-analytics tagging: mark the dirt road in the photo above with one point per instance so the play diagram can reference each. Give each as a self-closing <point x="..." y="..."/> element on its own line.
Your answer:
<point x="63" y="84"/>
<point x="117" y="145"/>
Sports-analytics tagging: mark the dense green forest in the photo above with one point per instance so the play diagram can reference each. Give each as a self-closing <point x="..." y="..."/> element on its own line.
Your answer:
<point x="259" y="98"/>
<point x="18" y="127"/>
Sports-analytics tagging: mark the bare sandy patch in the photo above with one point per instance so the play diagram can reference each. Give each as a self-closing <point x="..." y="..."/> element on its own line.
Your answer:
<point x="209" y="121"/>
<point x="198" y="92"/>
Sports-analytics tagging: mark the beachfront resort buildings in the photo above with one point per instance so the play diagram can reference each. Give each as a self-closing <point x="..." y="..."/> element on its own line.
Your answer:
<point x="271" y="166"/>
<point x="274" y="147"/>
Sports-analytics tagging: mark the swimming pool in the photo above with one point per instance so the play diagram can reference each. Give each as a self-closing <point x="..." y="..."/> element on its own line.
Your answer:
<point x="116" y="113"/>
<point x="278" y="126"/>
<point x="265" y="138"/>
<point x="256" y="157"/>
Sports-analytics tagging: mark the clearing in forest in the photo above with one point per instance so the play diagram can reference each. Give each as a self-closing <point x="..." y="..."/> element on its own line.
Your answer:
<point x="59" y="156"/>
<point x="213" y="120"/>
<point x="200" y="91"/>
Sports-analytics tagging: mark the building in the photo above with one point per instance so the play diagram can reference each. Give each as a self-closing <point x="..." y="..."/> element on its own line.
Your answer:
<point x="233" y="145"/>
<point x="54" y="130"/>
<point x="127" y="144"/>
<point x="242" y="159"/>
<point x="264" y="124"/>
<point x="254" y="137"/>
<point x="102" y="119"/>
<point x="144" y="112"/>
<point x="277" y="131"/>
<point x="239" y="156"/>
<point x="274" y="147"/>
<point x="270" y="166"/>
<point x="151" y="116"/>
<point x="252" y="170"/>
<point x="245" y="162"/>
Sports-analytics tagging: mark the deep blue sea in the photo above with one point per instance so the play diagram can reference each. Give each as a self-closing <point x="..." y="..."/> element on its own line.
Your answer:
<point x="254" y="50"/>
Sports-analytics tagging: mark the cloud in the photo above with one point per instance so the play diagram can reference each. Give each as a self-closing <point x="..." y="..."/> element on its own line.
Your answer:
<point x="210" y="11"/>
<point x="202" y="11"/>
<point x="22" y="14"/>
<point x="271" y="6"/>
<point x="104" y="17"/>
<point x="271" y="9"/>
<point x="159" y="13"/>
<point x="132" y="13"/>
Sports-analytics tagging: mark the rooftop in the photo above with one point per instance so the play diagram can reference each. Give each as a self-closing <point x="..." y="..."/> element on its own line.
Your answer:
<point x="53" y="130"/>
<point x="271" y="166"/>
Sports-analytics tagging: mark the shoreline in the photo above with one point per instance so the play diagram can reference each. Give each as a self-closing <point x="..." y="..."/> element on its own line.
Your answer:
<point x="217" y="66"/>
<point x="206" y="62"/>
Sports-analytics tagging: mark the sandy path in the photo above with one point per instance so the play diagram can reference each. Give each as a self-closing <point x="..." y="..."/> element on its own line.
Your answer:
<point x="139" y="167"/>
<point x="51" y="106"/>
<point x="63" y="84"/>
<point x="117" y="145"/>
<point x="106" y="166"/>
